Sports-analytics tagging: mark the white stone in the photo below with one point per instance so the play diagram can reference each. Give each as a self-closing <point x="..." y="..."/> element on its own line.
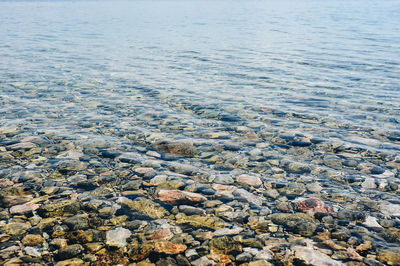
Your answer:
<point x="246" y="196"/>
<point x="310" y="256"/>
<point x="371" y="222"/>
<point x="369" y="183"/>
<point x="24" y="208"/>
<point x="31" y="251"/>
<point x="117" y="237"/>
<point x="203" y="261"/>
<point x="228" y="232"/>
<point x="390" y="209"/>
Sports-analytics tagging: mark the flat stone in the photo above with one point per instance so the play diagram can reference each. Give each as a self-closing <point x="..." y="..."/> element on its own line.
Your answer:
<point x="223" y="179"/>
<point x="227" y="231"/>
<point x="71" y="165"/>
<point x="300" y="223"/>
<point x="69" y="252"/>
<point x="117" y="237"/>
<point x="168" y="247"/>
<point x="298" y="168"/>
<point x="76" y="223"/>
<point x="390" y="256"/>
<point x="24" y="208"/>
<point x="259" y="263"/>
<point x="310" y="256"/>
<point x="211" y="222"/>
<point x="175" y="196"/>
<point x="144" y="206"/>
<point x="249" y="180"/>
<point x="371" y="222"/>
<point x="190" y="210"/>
<point x="203" y="261"/>
<point x="33" y="252"/>
<point x="32" y="240"/>
<point x="15" y="228"/>
<point x="390" y="209"/>
<point x="71" y="262"/>
<point x="181" y="148"/>
<point x="246" y="196"/>
<point x="22" y="146"/>
<point x="59" y="242"/>
<point x="369" y="183"/>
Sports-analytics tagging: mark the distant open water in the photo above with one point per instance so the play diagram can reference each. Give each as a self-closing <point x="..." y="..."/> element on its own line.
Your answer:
<point x="328" y="69"/>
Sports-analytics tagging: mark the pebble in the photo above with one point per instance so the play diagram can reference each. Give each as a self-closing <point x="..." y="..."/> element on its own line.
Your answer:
<point x="32" y="240"/>
<point x="117" y="237"/>
<point x="179" y="197"/>
<point x="249" y="180"/>
<point x="24" y="208"/>
<point x="31" y="251"/>
<point x="310" y="256"/>
<point x="244" y="195"/>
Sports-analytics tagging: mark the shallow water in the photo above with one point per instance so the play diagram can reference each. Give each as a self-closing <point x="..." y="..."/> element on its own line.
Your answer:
<point x="253" y="85"/>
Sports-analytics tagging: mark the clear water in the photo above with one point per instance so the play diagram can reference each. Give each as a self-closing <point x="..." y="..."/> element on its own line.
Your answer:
<point x="326" y="69"/>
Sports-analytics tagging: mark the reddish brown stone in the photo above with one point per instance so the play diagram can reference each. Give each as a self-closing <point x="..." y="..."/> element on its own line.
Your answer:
<point x="315" y="206"/>
<point x="175" y="196"/>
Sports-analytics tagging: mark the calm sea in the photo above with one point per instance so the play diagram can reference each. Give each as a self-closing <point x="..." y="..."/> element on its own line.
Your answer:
<point x="328" y="69"/>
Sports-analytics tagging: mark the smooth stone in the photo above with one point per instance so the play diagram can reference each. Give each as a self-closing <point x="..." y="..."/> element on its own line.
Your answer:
<point x="59" y="242"/>
<point x="71" y="262"/>
<point x="69" y="252"/>
<point x="300" y="223"/>
<point x="180" y="148"/>
<point x="190" y="210"/>
<point x="22" y="146"/>
<point x="184" y="169"/>
<point x="175" y="196"/>
<point x="33" y="252"/>
<point x="117" y="237"/>
<point x="158" y="179"/>
<point x="71" y="165"/>
<point x="369" y="183"/>
<point x="24" y="208"/>
<point x="59" y="208"/>
<point x="259" y="263"/>
<point x="211" y="222"/>
<point x="371" y="222"/>
<point x="298" y="168"/>
<point x="203" y="261"/>
<point x="32" y="240"/>
<point x="390" y="209"/>
<point x="310" y="256"/>
<point x="249" y="180"/>
<point x="223" y="179"/>
<point x="144" y="206"/>
<point x="314" y="187"/>
<point x="76" y="223"/>
<point x="168" y="247"/>
<point x="15" y="228"/>
<point x="389" y="256"/>
<point x="246" y="196"/>
<point x="227" y="231"/>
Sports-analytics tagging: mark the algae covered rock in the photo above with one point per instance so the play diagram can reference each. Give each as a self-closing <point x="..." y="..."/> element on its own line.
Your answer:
<point x="144" y="206"/>
<point x="200" y="221"/>
<point x="300" y="223"/>
<point x="181" y="148"/>
<point x="390" y="256"/>
<point x="225" y="245"/>
<point x="59" y="208"/>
